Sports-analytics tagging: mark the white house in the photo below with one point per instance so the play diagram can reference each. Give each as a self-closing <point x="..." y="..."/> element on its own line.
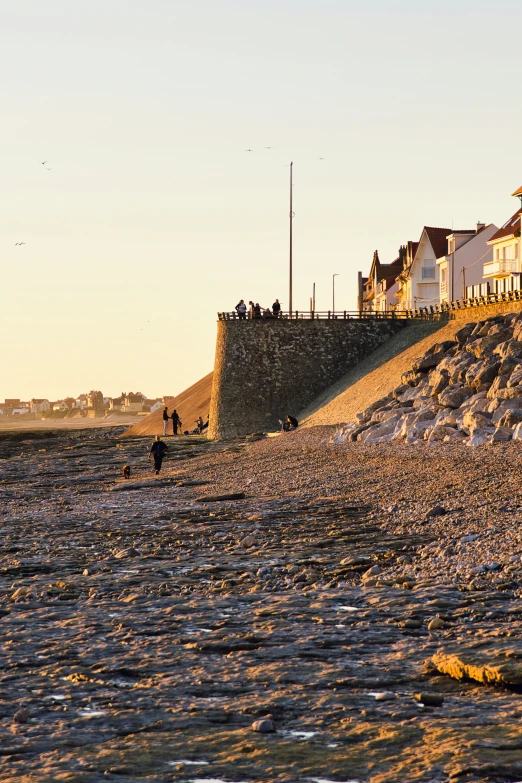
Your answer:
<point x="504" y="269"/>
<point x="157" y="405"/>
<point x="419" y="281"/>
<point x="40" y="406"/>
<point x="20" y="411"/>
<point x="461" y="267"/>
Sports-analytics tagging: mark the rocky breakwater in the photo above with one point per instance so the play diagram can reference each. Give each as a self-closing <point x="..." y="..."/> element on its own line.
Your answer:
<point x="467" y="390"/>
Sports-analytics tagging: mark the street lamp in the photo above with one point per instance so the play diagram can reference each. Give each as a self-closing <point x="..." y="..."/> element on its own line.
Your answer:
<point x="333" y="291"/>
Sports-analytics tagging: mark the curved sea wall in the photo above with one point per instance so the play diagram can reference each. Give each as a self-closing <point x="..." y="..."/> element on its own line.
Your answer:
<point x="266" y="369"/>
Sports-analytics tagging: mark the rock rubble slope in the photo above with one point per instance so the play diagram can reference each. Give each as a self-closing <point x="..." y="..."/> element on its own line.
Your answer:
<point x="467" y="389"/>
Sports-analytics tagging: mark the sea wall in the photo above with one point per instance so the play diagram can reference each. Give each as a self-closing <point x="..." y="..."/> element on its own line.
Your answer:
<point x="478" y="312"/>
<point x="266" y="369"/>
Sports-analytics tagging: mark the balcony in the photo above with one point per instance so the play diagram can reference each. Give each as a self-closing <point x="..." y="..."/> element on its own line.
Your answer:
<point x="443" y="290"/>
<point x="502" y="266"/>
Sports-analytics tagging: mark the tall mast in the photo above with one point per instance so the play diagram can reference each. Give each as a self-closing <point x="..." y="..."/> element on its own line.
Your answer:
<point x="291" y="217"/>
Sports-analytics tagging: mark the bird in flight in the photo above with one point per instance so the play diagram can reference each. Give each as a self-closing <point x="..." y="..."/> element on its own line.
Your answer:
<point x="19" y="243"/>
<point x="320" y="158"/>
<point x="249" y="150"/>
<point x="269" y="148"/>
<point x="43" y="162"/>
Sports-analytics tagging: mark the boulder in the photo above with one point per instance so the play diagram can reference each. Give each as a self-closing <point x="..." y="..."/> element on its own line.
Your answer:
<point x="367" y="414"/>
<point x="478" y="403"/>
<point x="510" y="418"/>
<point x="439" y="379"/>
<point x="384" y="415"/>
<point x="474" y="420"/>
<point x="377" y="431"/>
<point x="438" y="433"/>
<point x="509" y="394"/>
<point x="517" y="432"/>
<point x="499" y="383"/>
<point x="486" y="373"/>
<point x="411" y="394"/>
<point x="412" y="378"/>
<point x="463" y="334"/>
<point x="484" y="346"/>
<point x="509" y="349"/>
<point x="454" y="435"/>
<point x="480" y="436"/>
<point x="428" y="361"/>
<point x="454" y="395"/>
<point x="501" y="435"/>
<point x="515" y="379"/>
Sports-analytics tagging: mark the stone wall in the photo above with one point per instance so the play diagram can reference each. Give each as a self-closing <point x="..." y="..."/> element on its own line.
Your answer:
<point x="266" y="369"/>
<point x="483" y="311"/>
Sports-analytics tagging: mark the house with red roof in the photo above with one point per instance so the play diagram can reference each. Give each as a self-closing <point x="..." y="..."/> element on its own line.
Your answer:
<point x="420" y="278"/>
<point x="504" y="269"/>
<point x="380" y="287"/>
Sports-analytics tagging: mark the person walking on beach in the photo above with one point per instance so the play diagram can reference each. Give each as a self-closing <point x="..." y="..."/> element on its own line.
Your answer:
<point x="241" y="309"/>
<point x="176" y="422"/>
<point x="158" y="450"/>
<point x="276" y="308"/>
<point x="165" y="419"/>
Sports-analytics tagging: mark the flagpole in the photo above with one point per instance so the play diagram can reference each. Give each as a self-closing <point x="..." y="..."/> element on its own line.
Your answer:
<point x="291" y="217"/>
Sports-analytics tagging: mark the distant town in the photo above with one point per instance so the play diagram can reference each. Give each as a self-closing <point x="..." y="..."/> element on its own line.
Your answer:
<point x="89" y="405"/>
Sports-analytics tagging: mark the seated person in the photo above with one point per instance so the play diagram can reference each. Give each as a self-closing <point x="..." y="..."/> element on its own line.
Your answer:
<point x="291" y="423"/>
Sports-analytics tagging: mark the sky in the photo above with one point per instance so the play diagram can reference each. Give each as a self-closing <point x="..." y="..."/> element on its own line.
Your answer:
<point x="150" y="216"/>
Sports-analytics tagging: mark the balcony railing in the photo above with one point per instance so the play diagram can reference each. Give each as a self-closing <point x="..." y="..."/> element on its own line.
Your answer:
<point x="502" y="266"/>
<point x="443" y="289"/>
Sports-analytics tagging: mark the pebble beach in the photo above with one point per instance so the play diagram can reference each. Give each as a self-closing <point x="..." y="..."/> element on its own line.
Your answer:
<point x="285" y="609"/>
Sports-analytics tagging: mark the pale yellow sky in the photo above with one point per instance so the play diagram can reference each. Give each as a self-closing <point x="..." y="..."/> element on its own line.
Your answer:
<point x="153" y="216"/>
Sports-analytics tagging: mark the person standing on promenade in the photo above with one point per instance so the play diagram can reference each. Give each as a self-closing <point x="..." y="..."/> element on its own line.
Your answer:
<point x="257" y="310"/>
<point x="251" y="307"/>
<point x="276" y="308"/>
<point x="176" y="422"/>
<point x="241" y="309"/>
<point x="165" y="419"/>
<point x="158" y="450"/>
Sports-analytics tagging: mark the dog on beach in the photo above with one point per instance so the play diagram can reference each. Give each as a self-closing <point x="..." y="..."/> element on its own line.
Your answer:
<point x="126" y="471"/>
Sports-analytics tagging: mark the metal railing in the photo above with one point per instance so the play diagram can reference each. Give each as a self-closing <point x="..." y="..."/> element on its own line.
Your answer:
<point x="431" y="313"/>
<point x="328" y="315"/>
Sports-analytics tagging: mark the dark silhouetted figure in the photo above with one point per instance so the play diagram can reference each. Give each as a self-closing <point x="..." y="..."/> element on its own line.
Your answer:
<point x="158" y="450"/>
<point x="176" y="422"/>
<point x="126" y="471"/>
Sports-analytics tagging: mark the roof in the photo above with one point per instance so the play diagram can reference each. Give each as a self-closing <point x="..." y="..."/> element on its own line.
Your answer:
<point x="517" y="192"/>
<point x="510" y="228"/>
<point x="438" y="239"/>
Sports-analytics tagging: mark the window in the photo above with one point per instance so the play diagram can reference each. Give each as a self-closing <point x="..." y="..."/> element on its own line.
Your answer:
<point x="428" y="272"/>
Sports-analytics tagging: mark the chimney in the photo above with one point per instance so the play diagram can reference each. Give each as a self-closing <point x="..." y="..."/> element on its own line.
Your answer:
<point x="480" y="226"/>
